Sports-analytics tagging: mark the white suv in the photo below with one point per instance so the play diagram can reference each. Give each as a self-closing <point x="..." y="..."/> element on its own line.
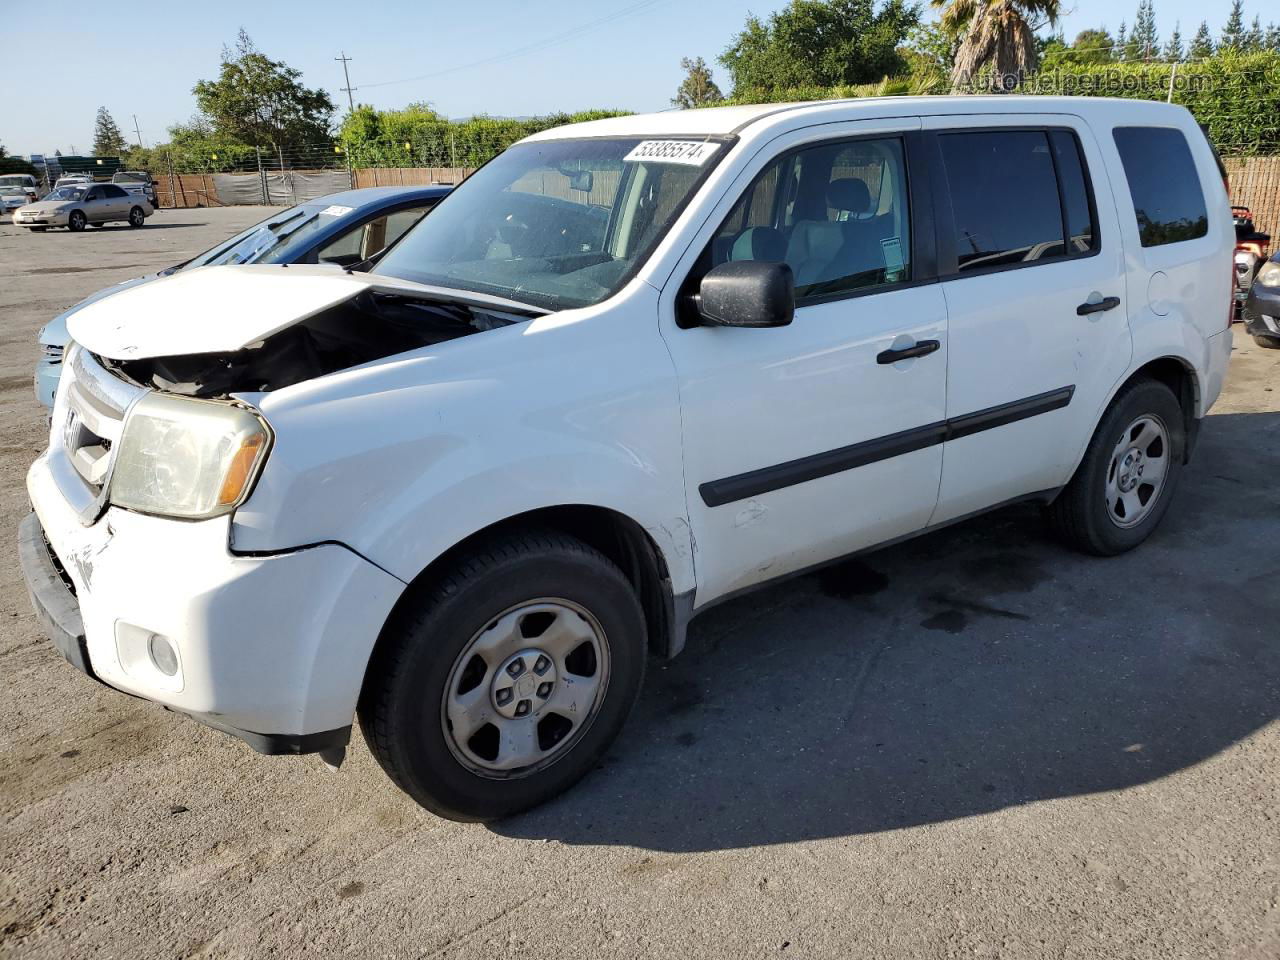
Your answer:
<point x="626" y="370"/>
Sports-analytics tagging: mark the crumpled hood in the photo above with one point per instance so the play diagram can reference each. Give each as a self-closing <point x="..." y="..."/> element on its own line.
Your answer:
<point x="226" y="308"/>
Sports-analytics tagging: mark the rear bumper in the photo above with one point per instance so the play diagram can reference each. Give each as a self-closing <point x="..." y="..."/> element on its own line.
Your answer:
<point x="272" y="649"/>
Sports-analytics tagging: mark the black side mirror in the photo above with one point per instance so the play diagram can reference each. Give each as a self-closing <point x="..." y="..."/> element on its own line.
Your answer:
<point x="748" y="293"/>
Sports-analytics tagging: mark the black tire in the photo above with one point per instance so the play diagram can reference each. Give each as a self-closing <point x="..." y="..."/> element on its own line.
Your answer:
<point x="1270" y="343"/>
<point x="1080" y="514"/>
<point x="76" y="221"/>
<point x="401" y="705"/>
<point x="136" y="217"/>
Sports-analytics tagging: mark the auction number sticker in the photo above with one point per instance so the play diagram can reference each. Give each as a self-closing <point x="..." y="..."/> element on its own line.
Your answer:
<point x="335" y="210"/>
<point x="693" y="153"/>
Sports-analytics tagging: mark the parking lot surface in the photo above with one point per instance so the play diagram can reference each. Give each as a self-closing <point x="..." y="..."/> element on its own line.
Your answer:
<point x="973" y="744"/>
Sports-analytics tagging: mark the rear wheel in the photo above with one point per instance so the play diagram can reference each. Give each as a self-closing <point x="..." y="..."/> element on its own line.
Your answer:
<point x="1129" y="473"/>
<point x="507" y="678"/>
<point x="136" y="217"/>
<point x="76" y="221"/>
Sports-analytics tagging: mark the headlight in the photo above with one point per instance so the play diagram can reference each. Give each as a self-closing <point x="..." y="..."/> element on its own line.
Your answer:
<point x="1269" y="275"/>
<point x="187" y="458"/>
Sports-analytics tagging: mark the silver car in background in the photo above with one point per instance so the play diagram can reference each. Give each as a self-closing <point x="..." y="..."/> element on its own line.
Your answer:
<point x="75" y="206"/>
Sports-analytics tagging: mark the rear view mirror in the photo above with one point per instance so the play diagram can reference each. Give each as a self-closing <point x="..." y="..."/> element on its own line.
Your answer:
<point x="581" y="180"/>
<point x="748" y="293"/>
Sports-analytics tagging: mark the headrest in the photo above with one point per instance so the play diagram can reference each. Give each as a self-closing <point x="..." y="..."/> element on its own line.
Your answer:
<point x="848" y="193"/>
<point x="759" y="243"/>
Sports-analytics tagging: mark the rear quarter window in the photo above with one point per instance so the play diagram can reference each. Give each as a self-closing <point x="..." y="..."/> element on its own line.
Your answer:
<point x="1164" y="183"/>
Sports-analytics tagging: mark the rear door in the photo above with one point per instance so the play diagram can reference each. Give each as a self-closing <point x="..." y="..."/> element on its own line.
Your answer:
<point x="1032" y="271"/>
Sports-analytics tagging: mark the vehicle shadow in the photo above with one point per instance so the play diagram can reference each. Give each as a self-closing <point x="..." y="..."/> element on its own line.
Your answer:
<point x="981" y="667"/>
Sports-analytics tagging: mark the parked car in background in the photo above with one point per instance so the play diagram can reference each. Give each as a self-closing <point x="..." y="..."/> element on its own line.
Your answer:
<point x="341" y="228"/>
<point x="72" y="179"/>
<point x="78" y="205"/>
<point x="138" y="182"/>
<point x="23" y="183"/>
<point x="465" y="494"/>
<point x="12" y="197"/>
<point x="1261" y="311"/>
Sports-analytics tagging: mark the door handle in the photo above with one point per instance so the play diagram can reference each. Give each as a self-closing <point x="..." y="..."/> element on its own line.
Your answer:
<point x="921" y="349"/>
<point x="1103" y="305"/>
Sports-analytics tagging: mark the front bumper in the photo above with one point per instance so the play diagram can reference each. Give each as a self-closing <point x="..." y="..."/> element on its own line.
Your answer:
<point x="21" y="218"/>
<point x="1262" y="312"/>
<point x="272" y="649"/>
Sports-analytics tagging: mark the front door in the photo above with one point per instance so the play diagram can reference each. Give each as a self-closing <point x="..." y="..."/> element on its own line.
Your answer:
<point x="809" y="441"/>
<point x="1033" y="278"/>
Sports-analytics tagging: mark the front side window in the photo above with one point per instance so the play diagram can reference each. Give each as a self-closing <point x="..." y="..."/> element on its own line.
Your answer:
<point x="555" y="223"/>
<point x="837" y="214"/>
<point x="1004" y="197"/>
<point x="1164" y="184"/>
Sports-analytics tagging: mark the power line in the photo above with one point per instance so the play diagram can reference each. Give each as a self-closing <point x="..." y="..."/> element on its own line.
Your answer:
<point x="531" y="47"/>
<point x="348" y="89"/>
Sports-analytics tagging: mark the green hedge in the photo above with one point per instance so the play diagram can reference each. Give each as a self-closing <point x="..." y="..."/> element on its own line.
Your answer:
<point x="1236" y="97"/>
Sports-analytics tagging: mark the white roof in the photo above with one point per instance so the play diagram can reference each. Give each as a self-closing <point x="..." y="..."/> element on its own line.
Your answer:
<point x="718" y="121"/>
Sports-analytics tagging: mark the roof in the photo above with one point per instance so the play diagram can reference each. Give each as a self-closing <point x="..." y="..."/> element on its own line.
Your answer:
<point x="721" y="121"/>
<point x="382" y="195"/>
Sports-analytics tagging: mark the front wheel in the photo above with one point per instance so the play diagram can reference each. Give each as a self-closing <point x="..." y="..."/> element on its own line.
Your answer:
<point x="507" y="678"/>
<point x="136" y="217"/>
<point x="1129" y="473"/>
<point x="76" y="221"/>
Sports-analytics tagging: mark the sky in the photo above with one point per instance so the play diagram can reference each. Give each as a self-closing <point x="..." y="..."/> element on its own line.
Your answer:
<point x="500" y="57"/>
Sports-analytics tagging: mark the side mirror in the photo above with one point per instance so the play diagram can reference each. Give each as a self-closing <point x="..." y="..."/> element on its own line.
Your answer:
<point x="748" y="293"/>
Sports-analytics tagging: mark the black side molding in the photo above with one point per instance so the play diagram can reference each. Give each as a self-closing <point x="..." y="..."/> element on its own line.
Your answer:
<point x="716" y="493"/>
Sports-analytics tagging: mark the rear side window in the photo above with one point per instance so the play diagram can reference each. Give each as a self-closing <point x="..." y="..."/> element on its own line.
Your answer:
<point x="1004" y="197"/>
<point x="1018" y="197"/>
<point x="1164" y="183"/>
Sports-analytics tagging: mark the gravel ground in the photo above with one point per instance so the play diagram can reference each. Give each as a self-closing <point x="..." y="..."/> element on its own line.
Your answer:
<point x="974" y="744"/>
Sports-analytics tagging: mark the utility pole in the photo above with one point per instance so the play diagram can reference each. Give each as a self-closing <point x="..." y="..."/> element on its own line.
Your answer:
<point x="136" y="130"/>
<point x="348" y="89"/>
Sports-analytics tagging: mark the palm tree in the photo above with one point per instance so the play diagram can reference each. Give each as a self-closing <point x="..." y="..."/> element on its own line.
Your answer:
<point x="996" y="33"/>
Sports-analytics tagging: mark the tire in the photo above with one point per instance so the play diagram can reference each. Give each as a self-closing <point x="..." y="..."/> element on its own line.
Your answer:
<point x="136" y="217"/>
<point x="1270" y="343"/>
<point x="457" y="642"/>
<point x="76" y="221"/>
<point x="1090" y="513"/>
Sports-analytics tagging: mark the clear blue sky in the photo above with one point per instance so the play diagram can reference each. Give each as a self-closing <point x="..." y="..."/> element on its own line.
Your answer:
<point x="146" y="65"/>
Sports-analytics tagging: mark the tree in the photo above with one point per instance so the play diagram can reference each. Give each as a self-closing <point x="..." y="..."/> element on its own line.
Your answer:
<point x="1201" y="43"/>
<point x="1254" y="39"/>
<point x="997" y="33"/>
<point x="1122" y="42"/>
<point x="108" y="141"/>
<point x="1173" y="50"/>
<point x="698" y="88"/>
<point x="822" y="43"/>
<point x="1271" y="40"/>
<point x="1233" y="31"/>
<point x="259" y="101"/>
<point x="1092" y="46"/>
<point x="1145" y="39"/>
<point x="930" y="50"/>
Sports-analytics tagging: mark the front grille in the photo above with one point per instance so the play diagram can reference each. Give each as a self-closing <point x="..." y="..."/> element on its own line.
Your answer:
<point x="87" y="424"/>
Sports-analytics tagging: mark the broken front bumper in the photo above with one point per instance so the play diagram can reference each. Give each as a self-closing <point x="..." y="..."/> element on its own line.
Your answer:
<point x="272" y="649"/>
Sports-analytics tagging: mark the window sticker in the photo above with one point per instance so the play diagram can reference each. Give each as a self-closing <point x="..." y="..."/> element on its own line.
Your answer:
<point x="893" y="261"/>
<point x="693" y="153"/>
<point x="335" y="210"/>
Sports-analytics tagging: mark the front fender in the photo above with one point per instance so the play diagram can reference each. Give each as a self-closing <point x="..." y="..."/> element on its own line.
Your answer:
<point x="403" y="458"/>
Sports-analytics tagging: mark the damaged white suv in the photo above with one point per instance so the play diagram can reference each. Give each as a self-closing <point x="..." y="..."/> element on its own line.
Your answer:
<point x="627" y="369"/>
